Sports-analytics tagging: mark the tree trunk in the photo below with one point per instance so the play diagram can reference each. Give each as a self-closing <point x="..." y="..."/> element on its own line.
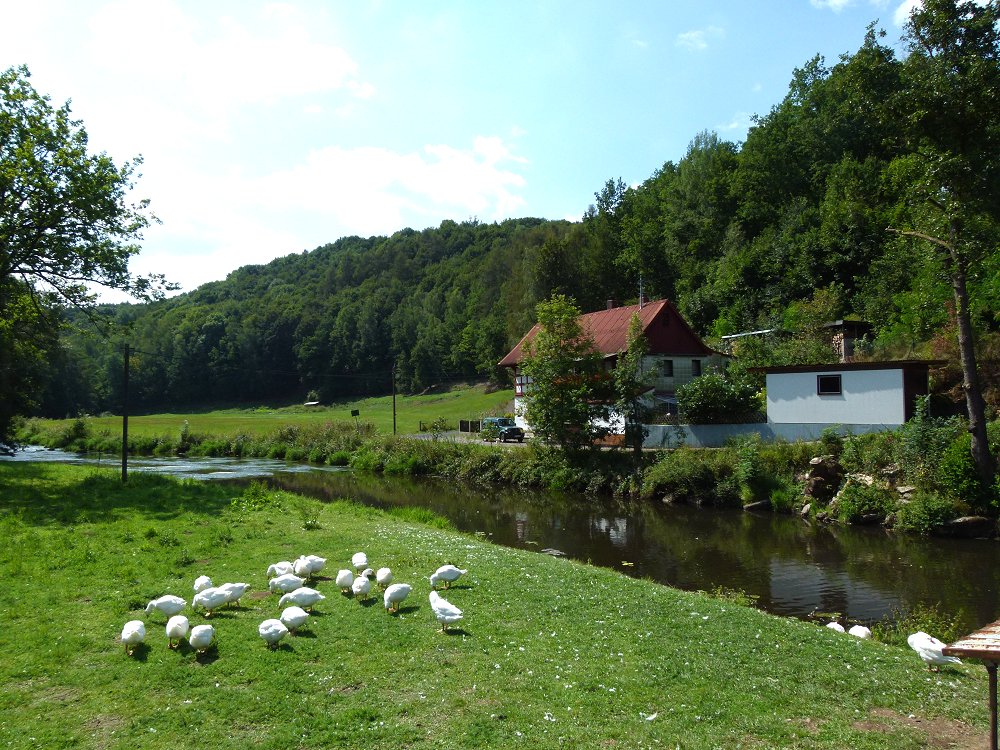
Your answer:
<point x="985" y="466"/>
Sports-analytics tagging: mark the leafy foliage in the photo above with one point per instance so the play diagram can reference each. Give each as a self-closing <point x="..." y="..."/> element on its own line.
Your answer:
<point x="714" y="399"/>
<point x="568" y="393"/>
<point x="65" y="224"/>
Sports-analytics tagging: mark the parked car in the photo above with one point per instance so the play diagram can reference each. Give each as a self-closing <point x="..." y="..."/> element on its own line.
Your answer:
<point x="506" y="428"/>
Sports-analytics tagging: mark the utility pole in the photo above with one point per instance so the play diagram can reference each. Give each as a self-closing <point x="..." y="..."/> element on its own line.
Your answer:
<point x="393" y="398"/>
<point x="125" y="420"/>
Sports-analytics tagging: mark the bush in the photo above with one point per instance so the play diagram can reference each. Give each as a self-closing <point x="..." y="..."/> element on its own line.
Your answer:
<point x="857" y="500"/>
<point x="749" y="469"/>
<point x="955" y="477"/>
<point x="785" y="497"/>
<point x="869" y="453"/>
<point x="923" y="443"/>
<point x="944" y="626"/>
<point x="712" y="399"/>
<point x="924" y="512"/>
<point x="75" y="433"/>
<point x="831" y="443"/>
<point x="683" y="475"/>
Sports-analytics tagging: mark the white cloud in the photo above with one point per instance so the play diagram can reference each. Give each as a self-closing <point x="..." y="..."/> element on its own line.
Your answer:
<point x="835" y="5"/>
<point x="232" y="219"/>
<point x="699" y="39"/>
<point x="739" y="122"/>
<point x="902" y="14"/>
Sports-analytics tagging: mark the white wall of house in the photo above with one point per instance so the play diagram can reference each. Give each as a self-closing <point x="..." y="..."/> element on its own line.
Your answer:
<point x="866" y="397"/>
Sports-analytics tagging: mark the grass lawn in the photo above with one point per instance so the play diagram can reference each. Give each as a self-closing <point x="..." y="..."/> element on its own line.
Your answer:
<point x="465" y="402"/>
<point x="551" y="653"/>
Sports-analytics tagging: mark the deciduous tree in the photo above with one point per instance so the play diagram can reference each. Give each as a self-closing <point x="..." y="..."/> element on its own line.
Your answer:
<point x="951" y="78"/>
<point x="567" y="399"/>
<point x="66" y="225"/>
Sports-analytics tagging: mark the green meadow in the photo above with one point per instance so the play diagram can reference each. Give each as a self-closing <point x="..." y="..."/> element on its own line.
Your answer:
<point x="460" y="402"/>
<point x="551" y="653"/>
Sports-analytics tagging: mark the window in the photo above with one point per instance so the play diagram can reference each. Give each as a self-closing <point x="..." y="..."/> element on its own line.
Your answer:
<point x="695" y="368"/>
<point x="667" y="368"/>
<point x="828" y="385"/>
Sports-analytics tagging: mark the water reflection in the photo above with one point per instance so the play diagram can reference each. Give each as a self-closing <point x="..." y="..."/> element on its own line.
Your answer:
<point x="792" y="567"/>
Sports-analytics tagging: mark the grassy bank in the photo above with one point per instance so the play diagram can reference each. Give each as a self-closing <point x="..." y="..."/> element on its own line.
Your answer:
<point x="551" y="653"/>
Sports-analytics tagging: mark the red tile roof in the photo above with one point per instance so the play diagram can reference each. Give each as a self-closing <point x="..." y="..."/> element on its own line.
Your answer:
<point x="665" y="330"/>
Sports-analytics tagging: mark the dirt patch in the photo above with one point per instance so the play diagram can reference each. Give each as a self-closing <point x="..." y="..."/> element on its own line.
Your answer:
<point x="258" y="595"/>
<point x="102" y="727"/>
<point x="942" y="734"/>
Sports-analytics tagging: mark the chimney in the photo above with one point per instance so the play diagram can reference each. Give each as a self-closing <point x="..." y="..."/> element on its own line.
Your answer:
<point x="612" y="303"/>
<point x="643" y="300"/>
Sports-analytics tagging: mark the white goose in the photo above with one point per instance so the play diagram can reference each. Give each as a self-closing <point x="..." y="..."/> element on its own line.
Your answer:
<point x="234" y="591"/>
<point x="834" y="625"/>
<point x="177" y="629"/>
<point x="168" y="604"/>
<point x="303" y="597"/>
<point x="445" y="612"/>
<point x="133" y="633"/>
<point x="209" y="599"/>
<point x="395" y="594"/>
<point x="280" y="568"/>
<point x="201" y="583"/>
<point x="285" y="583"/>
<point x="860" y="631"/>
<point x="308" y="565"/>
<point x="344" y="580"/>
<point x="272" y="631"/>
<point x="361" y="586"/>
<point x="384" y="577"/>
<point x="293" y="618"/>
<point x="201" y="637"/>
<point x="929" y="648"/>
<point x="447" y="573"/>
<point x="359" y="560"/>
<point x="302" y="568"/>
<point x="316" y="562"/>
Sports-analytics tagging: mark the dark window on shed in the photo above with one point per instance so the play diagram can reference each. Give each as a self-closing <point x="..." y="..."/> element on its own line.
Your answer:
<point x="828" y="385"/>
<point x="667" y="368"/>
<point x="695" y="367"/>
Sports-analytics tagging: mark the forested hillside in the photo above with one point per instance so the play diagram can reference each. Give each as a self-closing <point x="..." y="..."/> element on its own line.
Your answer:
<point x="823" y="210"/>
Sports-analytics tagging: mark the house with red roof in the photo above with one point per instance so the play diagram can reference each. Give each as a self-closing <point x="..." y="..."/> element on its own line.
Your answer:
<point x="675" y="353"/>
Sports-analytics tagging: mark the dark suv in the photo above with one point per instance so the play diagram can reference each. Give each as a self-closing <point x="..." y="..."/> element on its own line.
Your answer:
<point x="507" y="428"/>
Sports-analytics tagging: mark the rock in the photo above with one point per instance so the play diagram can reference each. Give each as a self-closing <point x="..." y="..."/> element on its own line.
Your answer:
<point x="866" y="479"/>
<point x="871" y="519"/>
<point x="906" y="490"/>
<point x="759" y="505"/>
<point x="969" y="527"/>
<point x="554" y="552"/>
<point x="805" y="509"/>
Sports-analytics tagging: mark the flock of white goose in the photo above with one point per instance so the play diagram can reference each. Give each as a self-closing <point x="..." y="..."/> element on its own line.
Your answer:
<point x="288" y="579"/>
<point x="928" y="648"/>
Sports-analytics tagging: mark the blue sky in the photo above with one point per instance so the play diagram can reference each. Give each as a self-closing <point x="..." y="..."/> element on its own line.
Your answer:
<point x="272" y="128"/>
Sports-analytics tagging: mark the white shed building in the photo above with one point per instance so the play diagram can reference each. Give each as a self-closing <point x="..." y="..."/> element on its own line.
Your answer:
<point x="846" y="393"/>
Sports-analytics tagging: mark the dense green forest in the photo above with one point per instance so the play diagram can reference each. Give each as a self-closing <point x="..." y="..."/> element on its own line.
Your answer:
<point x="821" y="213"/>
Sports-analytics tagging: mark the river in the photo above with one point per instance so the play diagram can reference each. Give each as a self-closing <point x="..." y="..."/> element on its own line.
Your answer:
<point x="791" y="566"/>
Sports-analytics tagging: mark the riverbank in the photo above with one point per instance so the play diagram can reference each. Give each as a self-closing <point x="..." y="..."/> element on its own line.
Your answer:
<point x="581" y="657"/>
<point x="918" y="478"/>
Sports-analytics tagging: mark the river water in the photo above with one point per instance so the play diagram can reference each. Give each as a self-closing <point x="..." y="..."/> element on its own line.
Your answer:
<point x="792" y="567"/>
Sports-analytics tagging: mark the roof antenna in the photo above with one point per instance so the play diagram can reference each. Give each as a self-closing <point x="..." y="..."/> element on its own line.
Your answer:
<point x="642" y="295"/>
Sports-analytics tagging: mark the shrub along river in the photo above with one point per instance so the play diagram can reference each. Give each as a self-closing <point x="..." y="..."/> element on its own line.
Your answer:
<point x="791" y="566"/>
